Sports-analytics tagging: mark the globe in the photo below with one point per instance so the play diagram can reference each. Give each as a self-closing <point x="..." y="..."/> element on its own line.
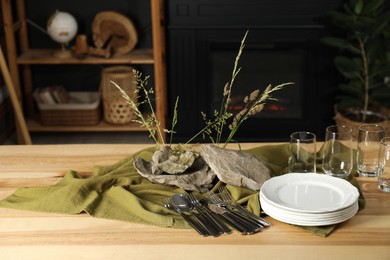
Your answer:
<point x="62" y="27"/>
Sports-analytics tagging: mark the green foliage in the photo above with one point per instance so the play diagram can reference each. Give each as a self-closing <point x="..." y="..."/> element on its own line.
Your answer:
<point x="364" y="52"/>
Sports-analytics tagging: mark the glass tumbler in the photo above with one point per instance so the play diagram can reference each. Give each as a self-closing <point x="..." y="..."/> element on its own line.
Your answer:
<point x="384" y="165"/>
<point x="302" y="149"/>
<point x="337" y="158"/>
<point x="369" y="139"/>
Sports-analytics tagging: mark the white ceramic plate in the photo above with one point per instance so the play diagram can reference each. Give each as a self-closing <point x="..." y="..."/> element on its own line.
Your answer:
<point x="289" y="218"/>
<point x="309" y="192"/>
<point x="315" y="216"/>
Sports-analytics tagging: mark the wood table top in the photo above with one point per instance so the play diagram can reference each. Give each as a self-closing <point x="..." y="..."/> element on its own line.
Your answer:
<point x="35" y="235"/>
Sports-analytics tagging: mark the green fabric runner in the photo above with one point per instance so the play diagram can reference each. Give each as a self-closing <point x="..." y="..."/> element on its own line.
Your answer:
<point x="119" y="192"/>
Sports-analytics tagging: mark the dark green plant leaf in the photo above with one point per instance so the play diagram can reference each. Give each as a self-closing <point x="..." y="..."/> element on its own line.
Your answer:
<point x="380" y="26"/>
<point x="386" y="34"/>
<point x="368" y="22"/>
<point x="382" y="94"/>
<point x="358" y="6"/>
<point x="335" y="42"/>
<point x="352" y="90"/>
<point x="347" y="67"/>
<point x="347" y="8"/>
<point x="341" y="44"/>
<point x="380" y="70"/>
<point x="359" y="62"/>
<point x="347" y="102"/>
<point x="343" y="20"/>
<point x="372" y="6"/>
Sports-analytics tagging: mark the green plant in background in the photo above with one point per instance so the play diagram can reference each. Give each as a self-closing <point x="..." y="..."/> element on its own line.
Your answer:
<point x="364" y="57"/>
<point x="254" y="103"/>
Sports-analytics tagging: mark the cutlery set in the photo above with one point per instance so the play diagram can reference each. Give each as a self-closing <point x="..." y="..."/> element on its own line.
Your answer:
<point x="216" y="214"/>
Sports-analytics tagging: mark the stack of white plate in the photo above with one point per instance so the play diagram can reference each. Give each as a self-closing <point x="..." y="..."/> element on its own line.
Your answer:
<point x="309" y="199"/>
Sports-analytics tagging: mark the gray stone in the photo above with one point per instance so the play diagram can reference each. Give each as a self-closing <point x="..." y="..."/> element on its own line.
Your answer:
<point x="171" y="161"/>
<point x="198" y="177"/>
<point x="186" y="169"/>
<point x="236" y="167"/>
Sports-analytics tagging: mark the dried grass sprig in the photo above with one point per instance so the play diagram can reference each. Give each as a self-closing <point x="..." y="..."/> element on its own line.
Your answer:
<point x="151" y="122"/>
<point x="228" y="88"/>
<point x="254" y="103"/>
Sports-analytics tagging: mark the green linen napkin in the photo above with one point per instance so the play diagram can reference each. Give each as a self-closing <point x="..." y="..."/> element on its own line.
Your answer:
<point x="119" y="192"/>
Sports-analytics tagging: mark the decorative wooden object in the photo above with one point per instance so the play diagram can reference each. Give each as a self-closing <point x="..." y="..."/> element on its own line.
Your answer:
<point x="14" y="99"/>
<point x="112" y="30"/>
<point x="81" y="46"/>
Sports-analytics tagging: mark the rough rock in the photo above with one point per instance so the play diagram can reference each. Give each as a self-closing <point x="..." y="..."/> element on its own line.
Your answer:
<point x="198" y="177"/>
<point x="167" y="160"/>
<point x="235" y="167"/>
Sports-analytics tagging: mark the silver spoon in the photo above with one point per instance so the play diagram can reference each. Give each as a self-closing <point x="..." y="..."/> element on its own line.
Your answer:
<point x="181" y="202"/>
<point x="168" y="204"/>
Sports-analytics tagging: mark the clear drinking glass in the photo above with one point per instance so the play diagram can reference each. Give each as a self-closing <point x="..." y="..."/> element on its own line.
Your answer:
<point x="302" y="152"/>
<point x="369" y="139"/>
<point x="337" y="158"/>
<point x="384" y="165"/>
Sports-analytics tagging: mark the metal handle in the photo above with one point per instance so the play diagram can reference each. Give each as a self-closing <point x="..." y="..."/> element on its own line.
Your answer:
<point x="219" y="224"/>
<point x="193" y="224"/>
<point x="251" y="215"/>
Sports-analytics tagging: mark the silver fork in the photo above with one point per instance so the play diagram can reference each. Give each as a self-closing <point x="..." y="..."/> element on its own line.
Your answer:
<point x="249" y="223"/>
<point x="226" y="197"/>
<point x="208" y="214"/>
<point x="167" y="202"/>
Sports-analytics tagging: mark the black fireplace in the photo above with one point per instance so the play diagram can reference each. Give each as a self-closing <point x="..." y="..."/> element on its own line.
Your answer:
<point x="283" y="45"/>
<point x="261" y="65"/>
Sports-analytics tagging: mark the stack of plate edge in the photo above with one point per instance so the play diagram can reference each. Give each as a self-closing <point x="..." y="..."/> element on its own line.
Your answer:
<point x="282" y="207"/>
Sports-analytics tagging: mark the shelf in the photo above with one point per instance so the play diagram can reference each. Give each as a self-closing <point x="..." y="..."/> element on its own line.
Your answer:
<point x="47" y="56"/>
<point x="21" y="58"/>
<point x="34" y="126"/>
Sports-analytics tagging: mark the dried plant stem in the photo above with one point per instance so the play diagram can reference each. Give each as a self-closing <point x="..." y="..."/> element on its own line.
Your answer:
<point x="204" y="129"/>
<point x="174" y="121"/>
<point x="144" y="122"/>
<point x="253" y="106"/>
<point x="153" y="118"/>
<point x="227" y="94"/>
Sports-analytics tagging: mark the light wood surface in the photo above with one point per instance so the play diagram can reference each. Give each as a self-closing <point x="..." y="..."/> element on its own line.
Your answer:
<point x="103" y="126"/>
<point x="34" y="235"/>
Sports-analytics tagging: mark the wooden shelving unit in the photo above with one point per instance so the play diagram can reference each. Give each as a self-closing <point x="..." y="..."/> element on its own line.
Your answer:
<point x="46" y="57"/>
<point x="34" y="126"/>
<point x="21" y="60"/>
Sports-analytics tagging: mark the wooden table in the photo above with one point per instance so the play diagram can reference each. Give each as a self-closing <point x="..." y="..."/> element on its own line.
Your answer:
<point x="34" y="235"/>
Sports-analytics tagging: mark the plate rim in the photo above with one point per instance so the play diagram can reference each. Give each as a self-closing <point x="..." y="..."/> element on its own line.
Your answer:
<point x="314" y="223"/>
<point x="350" y="191"/>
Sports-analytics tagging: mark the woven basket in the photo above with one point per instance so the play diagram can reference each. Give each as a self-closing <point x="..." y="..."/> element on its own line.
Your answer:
<point x="83" y="109"/>
<point x="118" y="112"/>
<point x="116" y="108"/>
<point x="342" y="120"/>
<point x="386" y="112"/>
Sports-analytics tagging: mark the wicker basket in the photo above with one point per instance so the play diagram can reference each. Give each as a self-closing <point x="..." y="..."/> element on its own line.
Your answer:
<point x="116" y="108"/>
<point x="386" y="112"/>
<point x="83" y="110"/>
<point x="342" y="120"/>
